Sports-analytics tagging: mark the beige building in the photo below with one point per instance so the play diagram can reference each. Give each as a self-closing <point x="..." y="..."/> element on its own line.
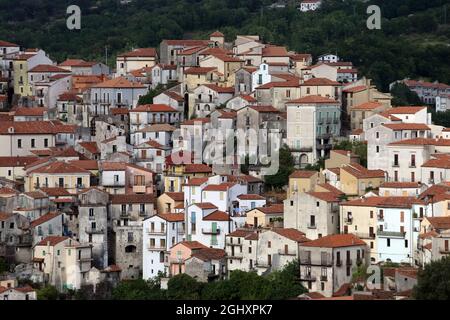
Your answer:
<point x="167" y="202"/>
<point x="265" y="216"/>
<point x="304" y="181"/>
<point x="136" y="59"/>
<point x="339" y="158"/>
<point x="355" y="180"/>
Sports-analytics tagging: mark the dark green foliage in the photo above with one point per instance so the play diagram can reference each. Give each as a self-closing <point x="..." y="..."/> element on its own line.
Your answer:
<point x="183" y="287"/>
<point x="281" y="178"/>
<point x="412" y="42"/>
<point x="402" y="96"/>
<point x="4" y="267"/>
<point x="47" y="293"/>
<point x="434" y="281"/>
<point x="283" y="284"/>
<point x="441" y="118"/>
<point x="137" y="290"/>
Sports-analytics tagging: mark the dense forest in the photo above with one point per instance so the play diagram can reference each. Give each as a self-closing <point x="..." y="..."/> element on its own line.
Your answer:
<point x="414" y="40"/>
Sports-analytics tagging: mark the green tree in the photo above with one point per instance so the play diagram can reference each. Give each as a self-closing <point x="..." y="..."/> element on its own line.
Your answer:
<point x="47" y="293"/>
<point x="137" y="290"/>
<point x="433" y="282"/>
<point x="285" y="284"/>
<point x="184" y="287"/>
<point x="286" y="167"/>
<point x="4" y="267"/>
<point x="403" y="96"/>
<point x="357" y="147"/>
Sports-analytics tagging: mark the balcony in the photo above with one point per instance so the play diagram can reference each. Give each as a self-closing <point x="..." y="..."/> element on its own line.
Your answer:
<point x="323" y="278"/>
<point x="287" y="253"/>
<point x="183" y="231"/>
<point x="380" y="217"/>
<point x="395" y="164"/>
<point x="124" y="214"/>
<point x="412" y="164"/>
<point x="85" y="259"/>
<point x="301" y="149"/>
<point x="155" y="232"/>
<point x="348" y="262"/>
<point x="307" y="277"/>
<point x="113" y="184"/>
<point x="155" y="248"/>
<point x="393" y="234"/>
<point x="90" y="230"/>
<point x="338" y="263"/>
<point x="363" y="235"/>
<point x="348" y="221"/>
<point x="91" y="218"/>
<point x="176" y="261"/>
<point x="311" y="225"/>
<point x="444" y="250"/>
<point x="325" y="136"/>
<point x="142" y="213"/>
<point x="211" y="231"/>
<point x="139" y="189"/>
<point x="234" y="244"/>
<point x="234" y="257"/>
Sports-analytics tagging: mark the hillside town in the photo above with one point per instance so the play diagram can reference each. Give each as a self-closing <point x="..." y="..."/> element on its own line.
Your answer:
<point x="160" y="166"/>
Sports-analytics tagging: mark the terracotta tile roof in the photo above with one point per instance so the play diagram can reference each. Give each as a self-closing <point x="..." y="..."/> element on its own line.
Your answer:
<point x="190" y="51"/>
<point x="53" y="240"/>
<point x="8" y="44"/>
<point x="383" y="202"/>
<point x="248" y="98"/>
<point x="132" y="198"/>
<point x="428" y="235"/>
<point x="197" y="168"/>
<point x="120" y="82"/>
<point x="355" y="89"/>
<point x="5" y="216"/>
<point x="219" y="187"/>
<point x="406" y="126"/>
<point x="275" y="51"/>
<point x="113" y="166"/>
<point x="440" y="223"/>
<point x="371" y="105"/>
<point x="227" y="114"/>
<point x="215" y="51"/>
<point x="36" y="194"/>
<point x="264" y="109"/>
<point x="357" y="132"/>
<point x="60" y="167"/>
<point x="219" y="89"/>
<point x="252" y="237"/>
<point x="198" y="70"/>
<point x="408" y="272"/>
<point x="8" y="191"/>
<point x="335" y="241"/>
<point x="325" y="196"/>
<point x="240" y="233"/>
<point x="292" y="234"/>
<point x="90" y="146"/>
<point x="187" y="42"/>
<point x="177" y="196"/>
<point x="30" y="111"/>
<point x="301" y="174"/>
<point x="45" y="218"/>
<point x="217" y="34"/>
<point x="17" y="161"/>
<point x="330" y="188"/>
<point x="441" y="162"/>
<point x="208" y="254"/>
<point x="313" y="100"/>
<point x="174" y="95"/>
<point x="47" y="68"/>
<point x="217" y="216"/>
<point x="197" y="121"/>
<point x="153" y="108"/>
<point x="85" y="164"/>
<point x="112" y="268"/>
<point x="280" y="84"/>
<point x="152" y="143"/>
<point x="32" y="127"/>
<point x="225" y="57"/>
<point x="205" y="205"/>
<point x="172" y="217"/>
<point x="142" y="52"/>
<point x="422" y="142"/>
<point x="250" y="197"/>
<point x="361" y="172"/>
<point x="273" y="209"/>
<point x="405" y="110"/>
<point x="399" y="185"/>
<point x="56" y="192"/>
<point x="320" y="82"/>
<point x="196" y="182"/>
<point x="71" y="63"/>
<point x="119" y="111"/>
<point x="193" y="245"/>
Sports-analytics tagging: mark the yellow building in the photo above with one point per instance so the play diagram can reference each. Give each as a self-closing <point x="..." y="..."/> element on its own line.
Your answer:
<point x="265" y="216"/>
<point x="225" y="64"/>
<point x="58" y="174"/>
<point x="363" y="91"/>
<point x="167" y="202"/>
<point x="356" y="179"/>
<point x="197" y="76"/>
<point x="20" y="69"/>
<point x="304" y="181"/>
<point x="177" y="174"/>
<point x="339" y="158"/>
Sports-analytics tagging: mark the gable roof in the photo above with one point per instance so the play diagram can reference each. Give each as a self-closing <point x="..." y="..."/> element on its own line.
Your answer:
<point x="53" y="240"/>
<point x="335" y="241"/>
<point x="60" y="167"/>
<point x="292" y="234"/>
<point x="217" y="216"/>
<point x="141" y="52"/>
<point x="361" y="172"/>
<point x="313" y="99"/>
<point x="207" y="254"/>
<point x="298" y="174"/>
<point x="44" y="218"/>
<point x="120" y="82"/>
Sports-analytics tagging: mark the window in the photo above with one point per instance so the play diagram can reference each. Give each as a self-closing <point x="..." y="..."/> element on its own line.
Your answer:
<point x="406" y="243"/>
<point x="19" y="143"/>
<point x="91" y="212"/>
<point x="388" y="242"/>
<point x="269" y="244"/>
<point x="33" y="143"/>
<point x="371" y="214"/>
<point x="378" y="149"/>
<point x="45" y="142"/>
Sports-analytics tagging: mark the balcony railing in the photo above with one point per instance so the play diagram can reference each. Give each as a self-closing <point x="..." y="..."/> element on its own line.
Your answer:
<point x="287" y="253"/>
<point x="234" y="257"/>
<point x="395" y="164"/>
<point x="348" y="221"/>
<point x="211" y="231"/>
<point x="156" y="232"/>
<point x="363" y="235"/>
<point x="380" y="217"/>
<point x="394" y="234"/>
<point x="307" y="277"/>
<point x="155" y="248"/>
<point x="312" y="226"/>
<point x="91" y="230"/>
<point x="412" y="164"/>
<point x="323" y="278"/>
<point x="348" y="262"/>
<point x="338" y="263"/>
<point x="444" y="250"/>
<point x="316" y="262"/>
